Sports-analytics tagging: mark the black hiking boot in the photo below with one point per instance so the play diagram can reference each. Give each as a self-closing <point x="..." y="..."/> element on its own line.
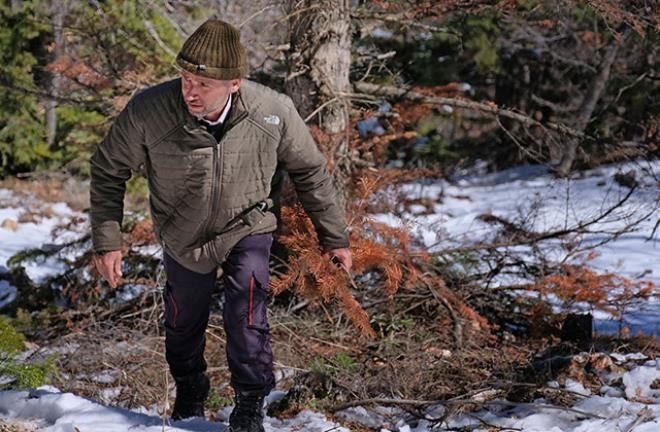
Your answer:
<point x="247" y="415"/>
<point x="191" y="393"/>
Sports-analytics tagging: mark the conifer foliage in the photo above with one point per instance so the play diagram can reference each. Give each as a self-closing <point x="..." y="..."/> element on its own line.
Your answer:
<point x="387" y="255"/>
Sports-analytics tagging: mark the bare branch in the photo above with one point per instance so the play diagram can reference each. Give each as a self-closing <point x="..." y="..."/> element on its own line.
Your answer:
<point x="401" y="19"/>
<point x="531" y="238"/>
<point x="152" y="31"/>
<point x="406" y="93"/>
<point x="425" y="403"/>
<point x="5" y="83"/>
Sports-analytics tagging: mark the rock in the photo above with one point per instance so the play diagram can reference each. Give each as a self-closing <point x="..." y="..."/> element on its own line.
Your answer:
<point x="9" y="224"/>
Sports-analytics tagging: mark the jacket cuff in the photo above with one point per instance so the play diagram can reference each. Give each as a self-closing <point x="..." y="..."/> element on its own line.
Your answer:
<point x="106" y="237"/>
<point x="334" y="243"/>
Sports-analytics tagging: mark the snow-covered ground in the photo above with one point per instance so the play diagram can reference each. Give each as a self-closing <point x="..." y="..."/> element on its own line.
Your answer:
<point x="632" y="405"/>
<point x="533" y="197"/>
<point x="627" y="401"/>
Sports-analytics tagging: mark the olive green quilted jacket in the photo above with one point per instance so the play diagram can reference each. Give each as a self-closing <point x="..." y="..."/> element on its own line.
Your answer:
<point x="206" y="195"/>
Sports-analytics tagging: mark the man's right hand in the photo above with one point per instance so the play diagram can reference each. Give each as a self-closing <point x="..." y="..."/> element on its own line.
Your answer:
<point x="109" y="266"/>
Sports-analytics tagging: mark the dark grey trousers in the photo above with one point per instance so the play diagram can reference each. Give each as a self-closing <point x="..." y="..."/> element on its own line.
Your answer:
<point x="187" y="306"/>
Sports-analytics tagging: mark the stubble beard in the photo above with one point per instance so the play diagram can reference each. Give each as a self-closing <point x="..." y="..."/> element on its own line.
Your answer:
<point x="218" y="106"/>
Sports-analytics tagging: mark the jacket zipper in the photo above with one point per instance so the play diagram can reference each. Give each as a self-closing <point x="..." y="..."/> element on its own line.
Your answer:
<point x="217" y="175"/>
<point x="215" y="185"/>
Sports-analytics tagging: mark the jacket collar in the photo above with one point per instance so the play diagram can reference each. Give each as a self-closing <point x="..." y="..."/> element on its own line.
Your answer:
<point x="239" y="109"/>
<point x="238" y="112"/>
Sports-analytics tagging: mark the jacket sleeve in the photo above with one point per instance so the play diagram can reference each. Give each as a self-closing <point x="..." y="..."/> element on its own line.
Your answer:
<point x="120" y="152"/>
<point x="299" y="155"/>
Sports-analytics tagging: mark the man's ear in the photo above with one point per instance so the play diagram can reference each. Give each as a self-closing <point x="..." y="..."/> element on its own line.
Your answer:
<point x="234" y="85"/>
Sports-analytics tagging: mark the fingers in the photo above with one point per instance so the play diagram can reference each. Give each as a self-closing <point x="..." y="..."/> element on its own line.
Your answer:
<point x="117" y="268"/>
<point x="109" y="266"/>
<point x="103" y="270"/>
<point x="342" y="258"/>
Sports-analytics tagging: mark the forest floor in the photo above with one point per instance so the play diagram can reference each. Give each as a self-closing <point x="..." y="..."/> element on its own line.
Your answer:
<point x="111" y="350"/>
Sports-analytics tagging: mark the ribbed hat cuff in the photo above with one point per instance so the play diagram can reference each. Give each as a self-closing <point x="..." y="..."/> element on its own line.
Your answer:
<point x="210" y="72"/>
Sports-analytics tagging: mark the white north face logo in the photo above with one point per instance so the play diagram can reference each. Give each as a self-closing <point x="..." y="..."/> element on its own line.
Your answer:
<point x="272" y="119"/>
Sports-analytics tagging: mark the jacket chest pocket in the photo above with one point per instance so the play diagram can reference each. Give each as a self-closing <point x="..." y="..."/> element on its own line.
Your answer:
<point x="179" y="174"/>
<point x="249" y="166"/>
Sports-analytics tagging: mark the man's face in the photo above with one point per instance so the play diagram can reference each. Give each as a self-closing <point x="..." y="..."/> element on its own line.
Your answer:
<point x="206" y="97"/>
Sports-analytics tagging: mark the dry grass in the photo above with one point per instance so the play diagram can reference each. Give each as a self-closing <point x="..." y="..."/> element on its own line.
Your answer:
<point x="117" y="356"/>
<point x="49" y="190"/>
<point x="116" y="365"/>
<point x="120" y="361"/>
<point x="16" y="426"/>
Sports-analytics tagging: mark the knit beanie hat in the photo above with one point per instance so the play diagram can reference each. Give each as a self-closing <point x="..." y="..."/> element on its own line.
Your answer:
<point x="215" y="51"/>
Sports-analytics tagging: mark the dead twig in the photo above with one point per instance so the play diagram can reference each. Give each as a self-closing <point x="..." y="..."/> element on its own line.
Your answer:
<point x="425" y="403"/>
<point x="533" y="238"/>
<point x="488" y="108"/>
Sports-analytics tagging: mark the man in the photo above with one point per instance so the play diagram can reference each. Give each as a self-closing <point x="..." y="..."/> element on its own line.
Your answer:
<point x="210" y="144"/>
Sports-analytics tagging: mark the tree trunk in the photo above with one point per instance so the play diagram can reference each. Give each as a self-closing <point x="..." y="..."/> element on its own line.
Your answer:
<point x="58" y="11"/>
<point x="588" y="105"/>
<point x="319" y="61"/>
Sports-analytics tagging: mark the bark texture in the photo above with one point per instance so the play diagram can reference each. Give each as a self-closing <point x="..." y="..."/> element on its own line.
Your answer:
<point x="588" y="106"/>
<point x="319" y="61"/>
<point x="58" y="11"/>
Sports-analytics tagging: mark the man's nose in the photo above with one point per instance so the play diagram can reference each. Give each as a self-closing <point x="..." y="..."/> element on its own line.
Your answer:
<point x="189" y="92"/>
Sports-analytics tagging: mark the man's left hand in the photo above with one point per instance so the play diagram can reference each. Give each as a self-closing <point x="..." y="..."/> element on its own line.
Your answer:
<point x="341" y="256"/>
